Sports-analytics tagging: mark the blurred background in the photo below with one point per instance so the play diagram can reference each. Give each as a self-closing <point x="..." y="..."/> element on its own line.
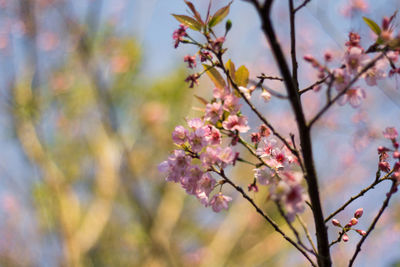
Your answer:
<point x="90" y="92"/>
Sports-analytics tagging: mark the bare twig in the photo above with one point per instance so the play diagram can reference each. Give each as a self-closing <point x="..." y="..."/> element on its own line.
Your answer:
<point x="264" y="215"/>
<point x="290" y="224"/>
<point x="302" y="5"/>
<point x="330" y="102"/>
<point x="374" y="222"/>
<point x="304" y="226"/>
<point x="362" y="192"/>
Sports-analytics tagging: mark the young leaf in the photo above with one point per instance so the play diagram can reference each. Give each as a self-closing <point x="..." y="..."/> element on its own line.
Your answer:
<point x="195" y="12"/>
<point x="372" y="25"/>
<point x="231" y="68"/>
<point x="215" y="76"/>
<point x="202" y="100"/>
<point x="242" y="76"/>
<point x="188" y="21"/>
<point x="219" y="15"/>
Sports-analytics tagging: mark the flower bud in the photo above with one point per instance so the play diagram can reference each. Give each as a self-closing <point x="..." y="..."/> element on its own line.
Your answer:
<point x="361" y="232"/>
<point x="228" y="25"/>
<point x="353" y="221"/>
<point x="358" y="213"/>
<point x="384" y="166"/>
<point x="336" y="223"/>
<point x="382" y="149"/>
<point x="396" y="155"/>
<point x="345" y="238"/>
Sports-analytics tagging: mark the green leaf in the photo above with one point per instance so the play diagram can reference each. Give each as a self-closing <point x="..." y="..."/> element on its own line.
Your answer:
<point x="215" y="76"/>
<point x="195" y="12"/>
<point x="188" y="21"/>
<point x="231" y="68"/>
<point x="242" y="76"/>
<point x="372" y="25"/>
<point x="219" y="15"/>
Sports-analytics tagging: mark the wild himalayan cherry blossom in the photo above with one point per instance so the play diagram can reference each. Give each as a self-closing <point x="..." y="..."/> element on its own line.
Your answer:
<point x="219" y="202"/>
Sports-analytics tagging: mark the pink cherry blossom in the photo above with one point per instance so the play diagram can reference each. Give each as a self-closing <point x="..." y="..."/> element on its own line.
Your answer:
<point x="236" y="123"/>
<point x="294" y="201"/>
<point x="191" y="60"/>
<point x="355" y="59"/>
<point x="176" y="166"/>
<point x="220" y="93"/>
<point x="264" y="175"/>
<point x="390" y="133"/>
<point x="198" y="140"/>
<point x="354" y="96"/>
<point x="195" y="123"/>
<point x="219" y="202"/>
<point x="179" y="34"/>
<point x="213" y="112"/>
<point x="342" y="79"/>
<point x="179" y="135"/>
<point x="375" y="73"/>
<point x="213" y="135"/>
<point x="231" y="104"/>
<point x="209" y="157"/>
<point x="206" y="184"/>
<point x="265" y="148"/>
<point x="189" y="181"/>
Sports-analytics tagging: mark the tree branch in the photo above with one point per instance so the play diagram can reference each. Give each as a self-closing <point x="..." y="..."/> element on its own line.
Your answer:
<point x="372" y="226"/>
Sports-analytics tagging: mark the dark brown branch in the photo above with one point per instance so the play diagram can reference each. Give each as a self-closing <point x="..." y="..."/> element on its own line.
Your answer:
<point x="374" y="222"/>
<point x="324" y="258"/>
<point x="293" y="43"/>
<point x="302" y="91"/>
<point x="265" y="216"/>
<point x="264" y="77"/>
<point x="302" y="5"/>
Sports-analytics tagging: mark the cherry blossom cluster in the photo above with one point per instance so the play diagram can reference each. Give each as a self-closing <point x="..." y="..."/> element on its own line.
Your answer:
<point x="279" y="172"/>
<point x="202" y="151"/>
<point x="349" y="226"/>
<point x="355" y="59"/>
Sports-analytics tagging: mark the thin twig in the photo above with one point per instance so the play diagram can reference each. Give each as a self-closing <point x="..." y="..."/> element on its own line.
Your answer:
<point x="330" y="102"/>
<point x="304" y="226"/>
<point x="302" y="91"/>
<point x="302" y="5"/>
<point x="290" y="224"/>
<point x="265" y="216"/>
<point x="374" y="222"/>
<point x="338" y="239"/>
<point x="362" y="192"/>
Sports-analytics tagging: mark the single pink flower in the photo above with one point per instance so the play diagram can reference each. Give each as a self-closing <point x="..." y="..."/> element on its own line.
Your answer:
<point x="236" y="123"/>
<point x="264" y="175"/>
<point x="390" y="133"/>
<point x="180" y="135"/>
<point x="213" y="112"/>
<point x="219" y="202"/>
<point x="231" y="104"/>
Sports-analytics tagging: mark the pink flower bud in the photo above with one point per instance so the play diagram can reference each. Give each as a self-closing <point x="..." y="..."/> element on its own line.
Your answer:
<point x="396" y="155"/>
<point x="353" y="221"/>
<point x="361" y="232"/>
<point x="336" y="223"/>
<point x="382" y="149"/>
<point x="358" y="213"/>
<point x="345" y="238"/>
<point x="328" y="56"/>
<point x="308" y="58"/>
<point x="384" y="166"/>
<point x="396" y="166"/>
